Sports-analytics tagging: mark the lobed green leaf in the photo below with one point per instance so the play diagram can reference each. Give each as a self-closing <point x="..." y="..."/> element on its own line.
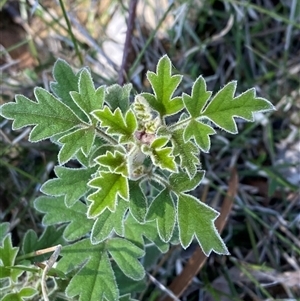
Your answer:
<point x="22" y="295"/>
<point x="162" y="209"/>
<point x="199" y="97"/>
<point x="95" y="279"/>
<point x="56" y="212"/>
<point x="181" y="182"/>
<point x="200" y="132"/>
<point x="88" y="98"/>
<point x="161" y="156"/>
<point x="109" y="186"/>
<point x="138" y="202"/>
<point x="81" y="139"/>
<point x="116" y="162"/>
<point x="164" y="85"/>
<point x="134" y="231"/>
<point x="65" y="82"/>
<point x="109" y="221"/>
<point x="8" y="255"/>
<point x="187" y="152"/>
<point x="125" y="255"/>
<point x="115" y="122"/>
<point x="70" y="183"/>
<point x="48" y="115"/>
<point x="197" y="219"/>
<point x="222" y="109"/>
<point x="118" y="97"/>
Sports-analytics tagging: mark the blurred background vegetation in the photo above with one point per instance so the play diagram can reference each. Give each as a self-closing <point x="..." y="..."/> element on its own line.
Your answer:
<point x="254" y="42"/>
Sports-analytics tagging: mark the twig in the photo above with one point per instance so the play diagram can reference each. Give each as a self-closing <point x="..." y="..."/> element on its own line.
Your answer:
<point x="48" y="266"/>
<point x="128" y="45"/>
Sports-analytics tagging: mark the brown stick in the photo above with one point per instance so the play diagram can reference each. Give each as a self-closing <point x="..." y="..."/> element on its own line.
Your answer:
<point x="128" y="45"/>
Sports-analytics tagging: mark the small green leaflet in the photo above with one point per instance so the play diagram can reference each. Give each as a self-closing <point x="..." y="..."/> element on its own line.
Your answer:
<point x="116" y="123"/>
<point x="95" y="279"/>
<point x="161" y="156"/>
<point x="8" y="255"/>
<point x="56" y="212"/>
<point x="116" y="162"/>
<point x="197" y="219"/>
<point x="109" y="186"/>
<point x="222" y="109"/>
<point x="162" y="209"/>
<point x="87" y="98"/>
<point x="164" y="86"/>
<point x="48" y="115"/>
<point x="70" y="182"/>
<point x="125" y="255"/>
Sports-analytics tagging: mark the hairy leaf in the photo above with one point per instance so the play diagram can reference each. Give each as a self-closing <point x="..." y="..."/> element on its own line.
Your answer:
<point x="161" y="156"/>
<point x="181" y="182"/>
<point x="118" y="97"/>
<point x="196" y="102"/>
<point x="109" y="221"/>
<point x="65" y="82"/>
<point x="125" y="255"/>
<point x="109" y="187"/>
<point x="116" y="123"/>
<point x="57" y="213"/>
<point x="4" y="229"/>
<point x="51" y="236"/>
<point x="95" y="279"/>
<point x="164" y="86"/>
<point x="116" y="162"/>
<point x="200" y="132"/>
<point x="87" y="98"/>
<point x="48" y="115"/>
<point x="81" y="139"/>
<point x="70" y="182"/>
<point x="8" y="255"/>
<point x="134" y="231"/>
<point x="127" y="298"/>
<point x="138" y="201"/>
<point x="22" y="295"/>
<point x="162" y="209"/>
<point x="127" y="285"/>
<point x="197" y="219"/>
<point x="224" y="107"/>
<point x="187" y="152"/>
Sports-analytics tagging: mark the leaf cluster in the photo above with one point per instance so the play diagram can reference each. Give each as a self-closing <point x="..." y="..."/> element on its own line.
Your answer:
<point x="136" y="170"/>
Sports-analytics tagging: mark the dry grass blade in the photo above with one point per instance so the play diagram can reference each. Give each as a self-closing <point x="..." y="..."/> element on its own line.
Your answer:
<point x="198" y="259"/>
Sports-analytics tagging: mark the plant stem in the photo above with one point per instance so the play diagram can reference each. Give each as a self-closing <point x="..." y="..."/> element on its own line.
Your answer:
<point x="106" y="137"/>
<point x="180" y="124"/>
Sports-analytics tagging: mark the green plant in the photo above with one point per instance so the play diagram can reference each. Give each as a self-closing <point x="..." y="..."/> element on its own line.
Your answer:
<point x="132" y="186"/>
